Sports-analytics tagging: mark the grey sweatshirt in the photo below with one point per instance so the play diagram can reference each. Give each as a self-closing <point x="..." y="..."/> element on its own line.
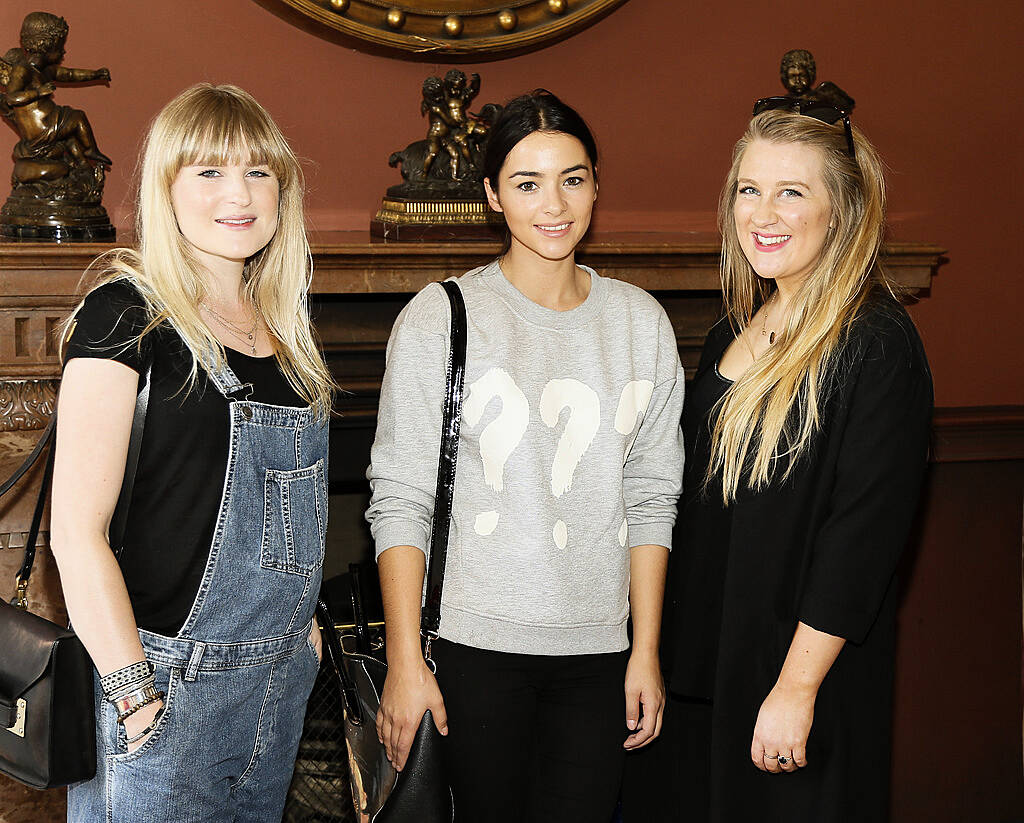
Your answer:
<point x="570" y="454"/>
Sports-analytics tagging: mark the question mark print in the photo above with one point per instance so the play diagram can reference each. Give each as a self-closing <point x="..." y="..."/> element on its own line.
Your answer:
<point x="584" y="419"/>
<point x="501" y="436"/>
<point x="560" y="534"/>
<point x="633" y="402"/>
<point x="485" y="523"/>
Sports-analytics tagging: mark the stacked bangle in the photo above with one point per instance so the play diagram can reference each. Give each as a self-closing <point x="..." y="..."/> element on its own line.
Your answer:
<point x="127" y="680"/>
<point x="129" y="704"/>
<point x="135" y="687"/>
<point x="147" y="730"/>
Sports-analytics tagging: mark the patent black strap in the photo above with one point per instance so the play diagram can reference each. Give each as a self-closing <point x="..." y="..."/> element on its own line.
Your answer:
<point x="455" y="377"/>
<point x="335" y="655"/>
<point x="120" y="516"/>
<point x="37" y="519"/>
<point x="9" y="483"/>
<point x="362" y="627"/>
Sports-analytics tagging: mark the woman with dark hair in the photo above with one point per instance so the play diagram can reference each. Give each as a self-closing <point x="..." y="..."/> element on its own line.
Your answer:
<point x="807" y="436"/>
<point x="570" y="462"/>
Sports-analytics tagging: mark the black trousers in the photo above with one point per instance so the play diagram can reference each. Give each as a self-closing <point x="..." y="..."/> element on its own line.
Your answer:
<point x="667" y="780"/>
<point x="533" y="738"/>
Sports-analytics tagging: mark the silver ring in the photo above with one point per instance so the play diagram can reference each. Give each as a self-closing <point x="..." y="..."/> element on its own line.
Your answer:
<point x="783" y="760"/>
<point x="771" y="757"/>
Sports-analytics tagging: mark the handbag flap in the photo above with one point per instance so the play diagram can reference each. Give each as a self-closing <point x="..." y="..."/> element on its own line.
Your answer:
<point x="28" y="642"/>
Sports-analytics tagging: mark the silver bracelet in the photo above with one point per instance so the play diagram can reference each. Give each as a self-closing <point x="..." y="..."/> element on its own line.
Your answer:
<point x="129" y="704"/>
<point x="148" y="729"/>
<point x="138" y="685"/>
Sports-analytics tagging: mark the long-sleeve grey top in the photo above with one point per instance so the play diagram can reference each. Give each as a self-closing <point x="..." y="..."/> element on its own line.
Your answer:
<point x="570" y="454"/>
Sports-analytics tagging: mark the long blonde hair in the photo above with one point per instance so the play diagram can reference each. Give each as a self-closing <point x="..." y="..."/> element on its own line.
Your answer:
<point x="223" y="125"/>
<point x="769" y="415"/>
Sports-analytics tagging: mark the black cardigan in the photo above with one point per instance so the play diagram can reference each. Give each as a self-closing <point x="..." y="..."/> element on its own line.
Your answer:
<point x="821" y="548"/>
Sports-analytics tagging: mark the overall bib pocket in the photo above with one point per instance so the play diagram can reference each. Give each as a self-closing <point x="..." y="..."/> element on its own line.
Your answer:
<point x="294" y="511"/>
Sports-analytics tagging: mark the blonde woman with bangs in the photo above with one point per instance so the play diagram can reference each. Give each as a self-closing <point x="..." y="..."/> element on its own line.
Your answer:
<point x="201" y="630"/>
<point x="807" y="434"/>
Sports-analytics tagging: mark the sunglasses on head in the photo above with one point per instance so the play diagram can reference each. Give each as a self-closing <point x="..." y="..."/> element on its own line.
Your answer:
<point x="811" y="108"/>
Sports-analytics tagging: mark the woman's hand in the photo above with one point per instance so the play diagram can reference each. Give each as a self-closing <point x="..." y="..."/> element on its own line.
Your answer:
<point x="409" y="690"/>
<point x="783" y="725"/>
<point x="644" y="687"/>
<point x="134" y="724"/>
<point x="316" y="640"/>
<point x="784" y="721"/>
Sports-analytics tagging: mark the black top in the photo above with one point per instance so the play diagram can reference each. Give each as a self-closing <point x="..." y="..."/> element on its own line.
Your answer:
<point x="703" y="521"/>
<point x="820" y="548"/>
<point x="184" y="453"/>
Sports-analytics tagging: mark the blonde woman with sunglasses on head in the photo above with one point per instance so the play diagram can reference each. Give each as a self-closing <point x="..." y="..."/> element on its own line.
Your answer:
<point x="807" y="434"/>
<point x="203" y="635"/>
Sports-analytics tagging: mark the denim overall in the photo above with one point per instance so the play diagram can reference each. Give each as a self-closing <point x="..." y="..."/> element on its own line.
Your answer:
<point x="240" y="670"/>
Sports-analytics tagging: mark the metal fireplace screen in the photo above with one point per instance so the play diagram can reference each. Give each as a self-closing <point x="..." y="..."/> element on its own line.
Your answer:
<point x="320" y="789"/>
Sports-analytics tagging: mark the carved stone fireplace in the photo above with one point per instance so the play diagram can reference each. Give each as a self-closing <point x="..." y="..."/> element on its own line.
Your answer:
<point x="358" y="289"/>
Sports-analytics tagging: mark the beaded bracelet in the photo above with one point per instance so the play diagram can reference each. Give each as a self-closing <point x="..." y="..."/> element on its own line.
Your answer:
<point x="147" y="730"/>
<point x="127" y="706"/>
<point x="124" y="677"/>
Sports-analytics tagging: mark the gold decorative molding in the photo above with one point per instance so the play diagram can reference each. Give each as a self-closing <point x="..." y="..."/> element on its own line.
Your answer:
<point x="438" y="212"/>
<point x="26" y="405"/>
<point x="456" y="27"/>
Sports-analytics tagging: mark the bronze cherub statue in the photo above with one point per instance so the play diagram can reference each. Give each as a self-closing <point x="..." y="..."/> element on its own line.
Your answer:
<point x="58" y="175"/>
<point x="449" y="158"/>
<point x="798" y="72"/>
<point x="442" y="193"/>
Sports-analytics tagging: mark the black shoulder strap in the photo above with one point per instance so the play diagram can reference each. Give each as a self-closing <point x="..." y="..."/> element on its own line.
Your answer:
<point x="456" y="373"/>
<point x="19" y="472"/>
<point x="120" y="516"/>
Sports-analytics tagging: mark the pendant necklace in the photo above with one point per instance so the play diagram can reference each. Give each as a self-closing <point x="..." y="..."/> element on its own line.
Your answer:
<point x="764" y="322"/>
<point x="247" y="336"/>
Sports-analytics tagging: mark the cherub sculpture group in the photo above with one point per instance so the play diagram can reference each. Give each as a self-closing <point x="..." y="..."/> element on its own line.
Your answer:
<point x="57" y="182"/>
<point x="448" y="161"/>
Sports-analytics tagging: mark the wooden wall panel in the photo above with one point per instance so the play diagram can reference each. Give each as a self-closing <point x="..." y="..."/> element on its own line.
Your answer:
<point x="957" y="708"/>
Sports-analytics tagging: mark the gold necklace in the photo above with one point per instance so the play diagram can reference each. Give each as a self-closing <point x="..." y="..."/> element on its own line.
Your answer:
<point x="764" y="321"/>
<point x="247" y="336"/>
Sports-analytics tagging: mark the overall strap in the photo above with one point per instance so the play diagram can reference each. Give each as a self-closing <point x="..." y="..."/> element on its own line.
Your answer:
<point x="120" y="516"/>
<point x="224" y="379"/>
<point x="455" y="377"/>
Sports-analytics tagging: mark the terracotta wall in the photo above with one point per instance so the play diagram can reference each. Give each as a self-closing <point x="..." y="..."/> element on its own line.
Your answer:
<point x="666" y="86"/>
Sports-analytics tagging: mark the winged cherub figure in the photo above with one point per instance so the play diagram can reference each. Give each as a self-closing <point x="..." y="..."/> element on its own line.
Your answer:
<point x="54" y="138"/>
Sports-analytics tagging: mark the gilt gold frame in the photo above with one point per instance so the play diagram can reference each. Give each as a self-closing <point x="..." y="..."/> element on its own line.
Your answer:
<point x="456" y="27"/>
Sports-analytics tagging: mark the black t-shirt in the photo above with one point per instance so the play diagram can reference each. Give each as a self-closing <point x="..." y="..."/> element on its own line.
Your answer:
<point x="184" y="454"/>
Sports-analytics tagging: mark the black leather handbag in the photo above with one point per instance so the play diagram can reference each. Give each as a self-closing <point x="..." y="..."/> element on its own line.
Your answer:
<point x="47" y="716"/>
<point x="420" y="792"/>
